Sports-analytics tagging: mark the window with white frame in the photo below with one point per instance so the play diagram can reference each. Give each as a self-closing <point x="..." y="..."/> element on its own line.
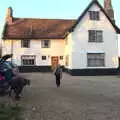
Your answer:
<point x="43" y="57"/>
<point x="61" y="57"/>
<point x="25" y="43"/>
<point x="45" y="43"/>
<point x="95" y="59"/>
<point x="94" y="15"/>
<point x="95" y="36"/>
<point x="28" y="60"/>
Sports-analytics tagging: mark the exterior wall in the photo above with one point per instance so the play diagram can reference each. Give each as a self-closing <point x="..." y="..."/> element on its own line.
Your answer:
<point x="76" y="48"/>
<point x="119" y="44"/>
<point x="0" y="48"/>
<point x="68" y="50"/>
<point x="56" y="49"/>
<point x="81" y="46"/>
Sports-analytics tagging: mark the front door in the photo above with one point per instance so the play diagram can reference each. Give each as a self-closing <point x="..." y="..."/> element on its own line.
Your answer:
<point x="54" y="61"/>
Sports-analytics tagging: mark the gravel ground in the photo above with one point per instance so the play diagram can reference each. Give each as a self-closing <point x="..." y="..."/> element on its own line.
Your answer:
<point x="78" y="98"/>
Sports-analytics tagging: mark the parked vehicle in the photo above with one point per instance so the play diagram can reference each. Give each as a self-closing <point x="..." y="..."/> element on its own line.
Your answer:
<point x="5" y="72"/>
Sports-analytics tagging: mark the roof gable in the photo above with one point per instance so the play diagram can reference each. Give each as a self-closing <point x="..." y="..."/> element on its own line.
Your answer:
<point x="86" y="10"/>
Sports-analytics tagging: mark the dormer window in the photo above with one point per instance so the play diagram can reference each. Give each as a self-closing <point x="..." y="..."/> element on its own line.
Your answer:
<point x="94" y="15"/>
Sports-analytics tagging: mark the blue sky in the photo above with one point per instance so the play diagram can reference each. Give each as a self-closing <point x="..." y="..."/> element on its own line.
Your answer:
<point x="63" y="9"/>
<point x="66" y="9"/>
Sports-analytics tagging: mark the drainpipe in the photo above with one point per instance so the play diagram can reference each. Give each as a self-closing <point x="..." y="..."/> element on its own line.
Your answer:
<point x="12" y="50"/>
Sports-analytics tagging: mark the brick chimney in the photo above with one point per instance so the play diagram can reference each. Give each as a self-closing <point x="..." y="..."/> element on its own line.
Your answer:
<point x="9" y="15"/>
<point x="109" y="9"/>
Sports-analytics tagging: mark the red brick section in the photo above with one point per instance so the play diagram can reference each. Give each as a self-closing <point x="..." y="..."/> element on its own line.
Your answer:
<point x="37" y="28"/>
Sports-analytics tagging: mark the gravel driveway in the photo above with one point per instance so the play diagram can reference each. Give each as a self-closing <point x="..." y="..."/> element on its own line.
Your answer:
<point x="78" y="98"/>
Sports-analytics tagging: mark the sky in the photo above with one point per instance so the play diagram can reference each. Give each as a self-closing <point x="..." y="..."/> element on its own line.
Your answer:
<point x="66" y="9"/>
<point x="59" y="9"/>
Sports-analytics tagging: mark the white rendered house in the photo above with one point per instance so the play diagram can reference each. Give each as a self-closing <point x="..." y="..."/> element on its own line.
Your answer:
<point x="86" y="46"/>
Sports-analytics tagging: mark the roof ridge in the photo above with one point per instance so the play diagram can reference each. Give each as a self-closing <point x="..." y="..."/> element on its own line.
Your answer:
<point x="45" y="18"/>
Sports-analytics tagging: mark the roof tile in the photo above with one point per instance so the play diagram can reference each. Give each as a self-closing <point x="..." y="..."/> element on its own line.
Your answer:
<point x="37" y="28"/>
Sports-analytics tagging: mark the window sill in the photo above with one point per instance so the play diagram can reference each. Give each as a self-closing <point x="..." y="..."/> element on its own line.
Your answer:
<point x="94" y="20"/>
<point x="96" y="67"/>
<point x="25" y="47"/>
<point x="44" y="48"/>
<point x="28" y="65"/>
<point x="95" y="42"/>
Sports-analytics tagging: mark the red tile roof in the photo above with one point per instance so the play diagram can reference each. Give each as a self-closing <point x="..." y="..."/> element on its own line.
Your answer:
<point x="37" y="28"/>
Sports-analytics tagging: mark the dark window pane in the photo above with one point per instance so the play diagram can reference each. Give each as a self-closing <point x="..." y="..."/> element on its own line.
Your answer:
<point x="94" y="15"/>
<point x="45" y="43"/>
<point x="92" y="36"/>
<point x="25" y="43"/>
<point x="95" y="36"/>
<point x="97" y="15"/>
<point x="43" y="57"/>
<point x="28" y="60"/>
<point x="99" y="36"/>
<point x="96" y="59"/>
<point x="61" y="57"/>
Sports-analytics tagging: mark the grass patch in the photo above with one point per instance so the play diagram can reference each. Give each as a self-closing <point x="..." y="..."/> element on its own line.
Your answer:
<point x="9" y="112"/>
